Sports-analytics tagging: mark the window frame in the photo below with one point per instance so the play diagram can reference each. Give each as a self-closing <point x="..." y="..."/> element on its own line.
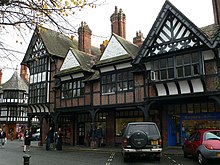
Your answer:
<point x="74" y="88"/>
<point x="181" y="66"/>
<point x="117" y="82"/>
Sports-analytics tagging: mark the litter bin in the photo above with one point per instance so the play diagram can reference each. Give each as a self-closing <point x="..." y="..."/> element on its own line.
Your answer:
<point x="26" y="159"/>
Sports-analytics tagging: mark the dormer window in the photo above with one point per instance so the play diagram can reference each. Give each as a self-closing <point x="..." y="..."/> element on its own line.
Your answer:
<point x="73" y="89"/>
<point x="122" y="81"/>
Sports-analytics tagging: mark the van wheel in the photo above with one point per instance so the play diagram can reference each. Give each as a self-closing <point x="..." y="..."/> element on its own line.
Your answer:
<point x="201" y="159"/>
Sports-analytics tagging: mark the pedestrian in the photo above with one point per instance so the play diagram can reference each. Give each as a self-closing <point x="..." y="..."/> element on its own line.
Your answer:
<point x="27" y="140"/>
<point x="2" y="138"/>
<point x="49" y="138"/>
<point x="59" y="140"/>
<point x="11" y="134"/>
<point x="99" y="135"/>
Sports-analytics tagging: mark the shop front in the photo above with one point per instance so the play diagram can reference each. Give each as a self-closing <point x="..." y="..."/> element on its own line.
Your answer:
<point x="122" y="119"/>
<point x="183" y="119"/>
<point x="192" y="122"/>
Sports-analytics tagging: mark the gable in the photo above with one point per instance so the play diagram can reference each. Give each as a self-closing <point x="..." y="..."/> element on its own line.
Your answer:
<point x="173" y="35"/>
<point x="38" y="49"/>
<point x="172" y="31"/>
<point x="113" y="49"/>
<point x="70" y="61"/>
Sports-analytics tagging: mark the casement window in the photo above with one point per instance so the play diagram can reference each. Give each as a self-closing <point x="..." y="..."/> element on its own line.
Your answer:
<point x="39" y="65"/>
<point x="10" y="95"/>
<point x="187" y="65"/>
<point x="12" y="111"/>
<point x="37" y="93"/>
<point x="181" y="66"/>
<point x="122" y="81"/>
<point x="73" y="89"/>
<point x="163" y="69"/>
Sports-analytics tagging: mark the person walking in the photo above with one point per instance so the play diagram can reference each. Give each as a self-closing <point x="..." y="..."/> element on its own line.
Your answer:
<point x="27" y="140"/>
<point x="59" y="140"/>
<point x="2" y="138"/>
<point x="99" y="135"/>
<point x="49" y="138"/>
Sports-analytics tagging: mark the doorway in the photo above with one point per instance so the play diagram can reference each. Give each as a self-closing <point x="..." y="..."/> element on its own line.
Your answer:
<point x="81" y="133"/>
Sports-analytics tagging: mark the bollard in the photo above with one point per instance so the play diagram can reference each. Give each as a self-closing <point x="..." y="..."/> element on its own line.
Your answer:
<point x="26" y="159"/>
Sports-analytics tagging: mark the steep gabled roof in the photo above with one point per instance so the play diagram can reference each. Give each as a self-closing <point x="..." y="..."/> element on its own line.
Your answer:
<point x="56" y="43"/>
<point x="15" y="83"/>
<point x="170" y="32"/>
<point x="118" y="49"/>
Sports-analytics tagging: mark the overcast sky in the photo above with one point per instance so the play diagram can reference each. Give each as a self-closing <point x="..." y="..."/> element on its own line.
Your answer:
<point x="140" y="15"/>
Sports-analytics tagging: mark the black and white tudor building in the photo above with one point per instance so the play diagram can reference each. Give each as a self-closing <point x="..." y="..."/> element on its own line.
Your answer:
<point x="172" y="79"/>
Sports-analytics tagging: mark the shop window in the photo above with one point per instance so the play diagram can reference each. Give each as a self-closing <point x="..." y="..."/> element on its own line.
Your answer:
<point x="121" y="124"/>
<point x="204" y="107"/>
<point x="211" y="107"/>
<point x="190" y="108"/>
<point x="197" y="108"/>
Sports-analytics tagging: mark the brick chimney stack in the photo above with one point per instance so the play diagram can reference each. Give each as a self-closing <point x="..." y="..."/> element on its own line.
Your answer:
<point x="216" y="10"/>
<point x="118" y="23"/>
<point x="24" y="72"/>
<point x="0" y="76"/>
<point x="84" y="33"/>
<point x="139" y="39"/>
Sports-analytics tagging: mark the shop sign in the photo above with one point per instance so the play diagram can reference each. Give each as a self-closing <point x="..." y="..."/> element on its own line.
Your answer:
<point x="201" y="116"/>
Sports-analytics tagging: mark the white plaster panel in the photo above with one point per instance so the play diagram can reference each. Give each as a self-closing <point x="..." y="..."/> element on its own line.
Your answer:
<point x="107" y="69"/>
<point x="48" y="92"/>
<point x="65" y="78"/>
<point x="208" y="55"/>
<point x="197" y="85"/>
<point x="184" y="87"/>
<point x="3" y="118"/>
<point x="124" y="65"/>
<point x="77" y="75"/>
<point x="161" y="90"/>
<point x="44" y="76"/>
<point x="70" y="61"/>
<point x="113" y="49"/>
<point x="172" y="88"/>
<point x="148" y="65"/>
<point x="35" y="78"/>
<point x="39" y="77"/>
<point x="31" y="79"/>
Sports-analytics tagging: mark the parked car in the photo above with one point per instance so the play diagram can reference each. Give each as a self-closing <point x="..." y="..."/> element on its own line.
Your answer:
<point x="141" y="139"/>
<point x="203" y="144"/>
<point x="36" y="135"/>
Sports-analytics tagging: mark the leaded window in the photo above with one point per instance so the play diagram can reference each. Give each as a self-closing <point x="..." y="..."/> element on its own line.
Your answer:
<point x="73" y="89"/>
<point x="122" y="81"/>
<point x="10" y="95"/>
<point x="163" y="69"/>
<point x="12" y="111"/>
<point x="37" y="93"/>
<point x="181" y="66"/>
<point x="187" y="65"/>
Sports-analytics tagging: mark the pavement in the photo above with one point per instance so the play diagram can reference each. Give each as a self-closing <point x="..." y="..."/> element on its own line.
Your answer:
<point x="174" y="150"/>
